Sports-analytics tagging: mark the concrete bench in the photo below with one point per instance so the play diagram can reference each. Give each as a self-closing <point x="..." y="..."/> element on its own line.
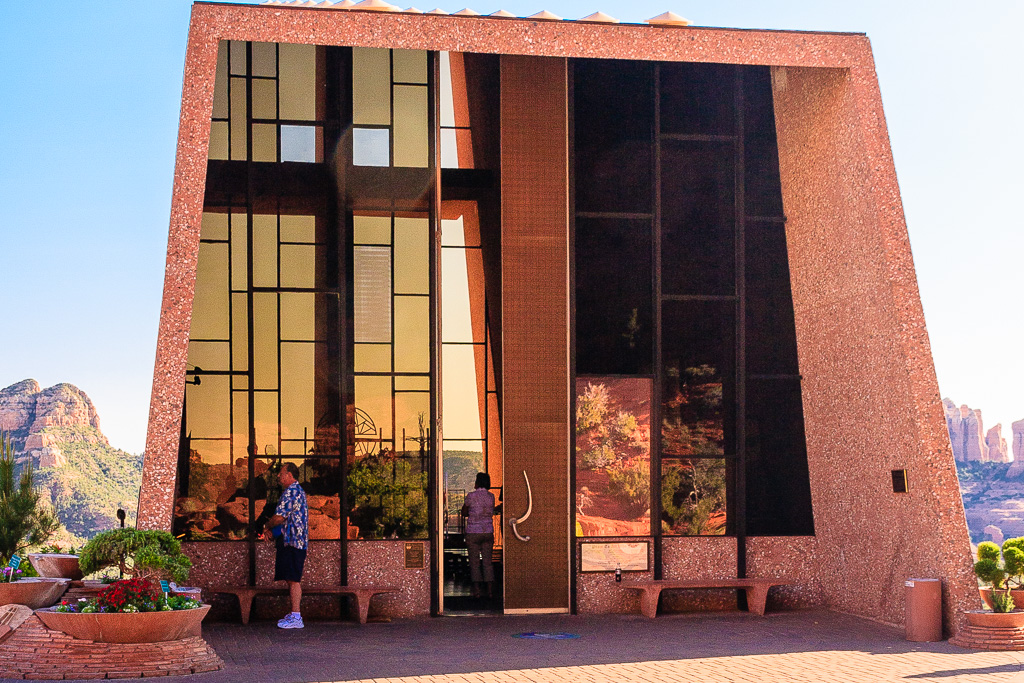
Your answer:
<point x="756" y="590"/>
<point x="362" y="595"/>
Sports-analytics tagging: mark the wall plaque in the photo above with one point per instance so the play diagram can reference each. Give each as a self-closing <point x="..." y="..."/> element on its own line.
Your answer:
<point x="414" y="556"/>
<point x="606" y="557"/>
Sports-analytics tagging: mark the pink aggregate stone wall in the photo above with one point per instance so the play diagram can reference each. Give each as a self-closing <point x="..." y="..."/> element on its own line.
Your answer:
<point x="698" y="557"/>
<point x="598" y="593"/>
<point x="792" y="558"/>
<point x="376" y="563"/>
<point x="871" y="399"/>
<point x="382" y="563"/>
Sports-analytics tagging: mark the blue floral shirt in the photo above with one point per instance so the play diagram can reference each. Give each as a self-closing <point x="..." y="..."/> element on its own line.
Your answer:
<point x="296" y="516"/>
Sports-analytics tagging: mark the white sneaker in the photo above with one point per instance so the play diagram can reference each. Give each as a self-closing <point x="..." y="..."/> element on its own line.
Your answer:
<point x="291" y="621"/>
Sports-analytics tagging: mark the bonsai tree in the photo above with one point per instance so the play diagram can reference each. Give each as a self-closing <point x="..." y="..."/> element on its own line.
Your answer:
<point x="140" y="554"/>
<point x="998" y="574"/>
<point x="24" y="522"/>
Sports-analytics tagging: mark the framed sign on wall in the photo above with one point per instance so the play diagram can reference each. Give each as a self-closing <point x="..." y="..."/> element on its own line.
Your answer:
<point x="606" y="557"/>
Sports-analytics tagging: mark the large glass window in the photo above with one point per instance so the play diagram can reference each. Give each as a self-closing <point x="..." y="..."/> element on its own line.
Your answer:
<point x="390" y="112"/>
<point x="613" y="456"/>
<point x="387" y="479"/>
<point x="683" y="214"/>
<point x="259" y="377"/>
<point x="266" y="105"/>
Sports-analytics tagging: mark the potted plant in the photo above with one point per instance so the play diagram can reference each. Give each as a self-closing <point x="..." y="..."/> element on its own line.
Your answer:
<point x="127" y="611"/>
<point x="23" y="523"/>
<point x="998" y="571"/>
<point x="137" y="553"/>
<point x="56" y="562"/>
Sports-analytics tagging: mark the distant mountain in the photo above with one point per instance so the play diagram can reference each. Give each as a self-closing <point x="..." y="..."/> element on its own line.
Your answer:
<point x="992" y="486"/>
<point x="79" y="473"/>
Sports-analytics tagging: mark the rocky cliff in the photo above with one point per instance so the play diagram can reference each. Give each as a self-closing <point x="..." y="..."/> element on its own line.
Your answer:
<point x="967" y="435"/>
<point x="80" y="474"/>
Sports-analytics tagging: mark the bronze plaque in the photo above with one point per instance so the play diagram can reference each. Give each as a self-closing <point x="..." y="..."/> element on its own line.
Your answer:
<point x="414" y="556"/>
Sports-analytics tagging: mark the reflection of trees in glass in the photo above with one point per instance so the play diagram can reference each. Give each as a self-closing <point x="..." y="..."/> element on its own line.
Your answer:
<point x="631" y="483"/>
<point x="460" y="468"/>
<point x="613" y="455"/>
<point x="387" y="496"/>
<point x="693" y="496"/>
<point x="692" y="424"/>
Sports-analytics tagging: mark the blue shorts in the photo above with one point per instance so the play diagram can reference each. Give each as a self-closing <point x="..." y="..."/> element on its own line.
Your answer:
<point x="289" y="563"/>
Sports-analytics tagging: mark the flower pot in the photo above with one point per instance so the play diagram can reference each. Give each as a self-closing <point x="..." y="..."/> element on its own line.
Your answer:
<point x="1014" y="619"/>
<point x="1017" y="595"/>
<point x="117" y="627"/>
<point x="56" y="565"/>
<point x="33" y="593"/>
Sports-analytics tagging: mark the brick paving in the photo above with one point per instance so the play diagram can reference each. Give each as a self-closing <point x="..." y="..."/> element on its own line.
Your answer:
<point x="804" y="646"/>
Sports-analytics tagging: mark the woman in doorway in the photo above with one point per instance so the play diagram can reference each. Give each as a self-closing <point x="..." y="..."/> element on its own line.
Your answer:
<point x="479" y="511"/>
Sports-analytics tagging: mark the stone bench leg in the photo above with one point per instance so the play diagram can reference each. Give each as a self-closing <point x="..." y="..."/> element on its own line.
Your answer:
<point x="757" y="596"/>
<point x="245" y="603"/>
<point x="649" y="601"/>
<point x="362" y="599"/>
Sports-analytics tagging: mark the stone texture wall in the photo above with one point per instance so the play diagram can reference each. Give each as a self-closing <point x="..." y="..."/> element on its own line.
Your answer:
<point x="375" y="563"/>
<point x="863" y="352"/>
<point x="34" y="651"/>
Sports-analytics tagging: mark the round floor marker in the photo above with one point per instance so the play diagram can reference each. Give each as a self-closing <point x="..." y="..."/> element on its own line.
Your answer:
<point x="537" y="635"/>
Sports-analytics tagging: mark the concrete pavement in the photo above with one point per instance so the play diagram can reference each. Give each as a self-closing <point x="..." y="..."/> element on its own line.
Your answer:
<point x="809" y="646"/>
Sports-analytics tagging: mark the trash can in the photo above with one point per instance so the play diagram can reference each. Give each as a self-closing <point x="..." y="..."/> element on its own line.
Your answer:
<point x="924" y="610"/>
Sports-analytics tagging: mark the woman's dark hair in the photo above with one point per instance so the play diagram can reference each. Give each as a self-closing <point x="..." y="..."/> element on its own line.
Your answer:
<point x="483" y="480"/>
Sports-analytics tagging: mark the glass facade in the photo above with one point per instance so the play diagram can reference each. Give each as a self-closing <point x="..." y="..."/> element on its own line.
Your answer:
<point x="678" y="203"/>
<point x="311" y="331"/>
<point x="340" y="303"/>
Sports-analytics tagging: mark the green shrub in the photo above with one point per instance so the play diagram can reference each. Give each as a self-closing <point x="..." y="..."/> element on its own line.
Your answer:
<point x="1002" y="602"/>
<point x="142" y="554"/>
<point x="1009" y="572"/>
<point x="631" y="484"/>
<point x="23" y="521"/>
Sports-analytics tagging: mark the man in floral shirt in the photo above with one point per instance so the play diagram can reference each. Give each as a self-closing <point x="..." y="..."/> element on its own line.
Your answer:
<point x="290" y="528"/>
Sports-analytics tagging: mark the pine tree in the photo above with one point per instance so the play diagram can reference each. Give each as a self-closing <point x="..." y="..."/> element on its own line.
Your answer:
<point x="23" y="521"/>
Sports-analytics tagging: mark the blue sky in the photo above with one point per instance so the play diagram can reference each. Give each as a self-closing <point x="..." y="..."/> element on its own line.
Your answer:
<point x="88" y="127"/>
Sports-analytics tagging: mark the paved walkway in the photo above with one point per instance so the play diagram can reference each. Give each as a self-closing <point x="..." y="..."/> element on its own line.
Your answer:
<point x="795" y="647"/>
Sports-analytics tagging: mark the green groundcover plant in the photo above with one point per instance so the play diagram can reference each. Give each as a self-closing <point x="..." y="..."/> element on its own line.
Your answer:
<point x="127" y="597"/>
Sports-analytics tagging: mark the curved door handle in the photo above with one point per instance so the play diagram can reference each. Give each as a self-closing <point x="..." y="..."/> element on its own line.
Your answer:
<point x="529" y="508"/>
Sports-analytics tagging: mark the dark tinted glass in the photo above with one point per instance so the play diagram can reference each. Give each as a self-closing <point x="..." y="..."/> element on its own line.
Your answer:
<point x="613" y="296"/>
<point x="614" y="120"/>
<point x="697" y="99"/>
<point x="761" y="156"/>
<point x="771" y="334"/>
<point x="778" y="485"/>
<point x="694" y="496"/>
<point x="698" y="385"/>
<point x="698" y="218"/>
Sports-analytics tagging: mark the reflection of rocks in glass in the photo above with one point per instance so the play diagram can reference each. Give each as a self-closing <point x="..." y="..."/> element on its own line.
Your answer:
<point x="693" y="496"/>
<point x="613" y="437"/>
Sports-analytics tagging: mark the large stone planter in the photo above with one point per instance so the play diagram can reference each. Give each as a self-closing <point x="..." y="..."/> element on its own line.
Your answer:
<point x="1017" y="595"/>
<point x="56" y="565"/>
<point x="1013" y="619"/>
<point x="115" y="627"/>
<point x="33" y="593"/>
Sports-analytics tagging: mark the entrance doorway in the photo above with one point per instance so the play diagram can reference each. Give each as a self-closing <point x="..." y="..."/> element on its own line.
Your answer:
<point x="470" y="412"/>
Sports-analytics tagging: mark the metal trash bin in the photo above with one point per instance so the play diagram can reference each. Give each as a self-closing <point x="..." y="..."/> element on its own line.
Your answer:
<point x="924" y="610"/>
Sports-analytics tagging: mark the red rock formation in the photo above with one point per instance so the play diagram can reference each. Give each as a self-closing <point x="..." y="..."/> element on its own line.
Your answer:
<point x="997" y="451"/>
<point x="1017" y="468"/>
